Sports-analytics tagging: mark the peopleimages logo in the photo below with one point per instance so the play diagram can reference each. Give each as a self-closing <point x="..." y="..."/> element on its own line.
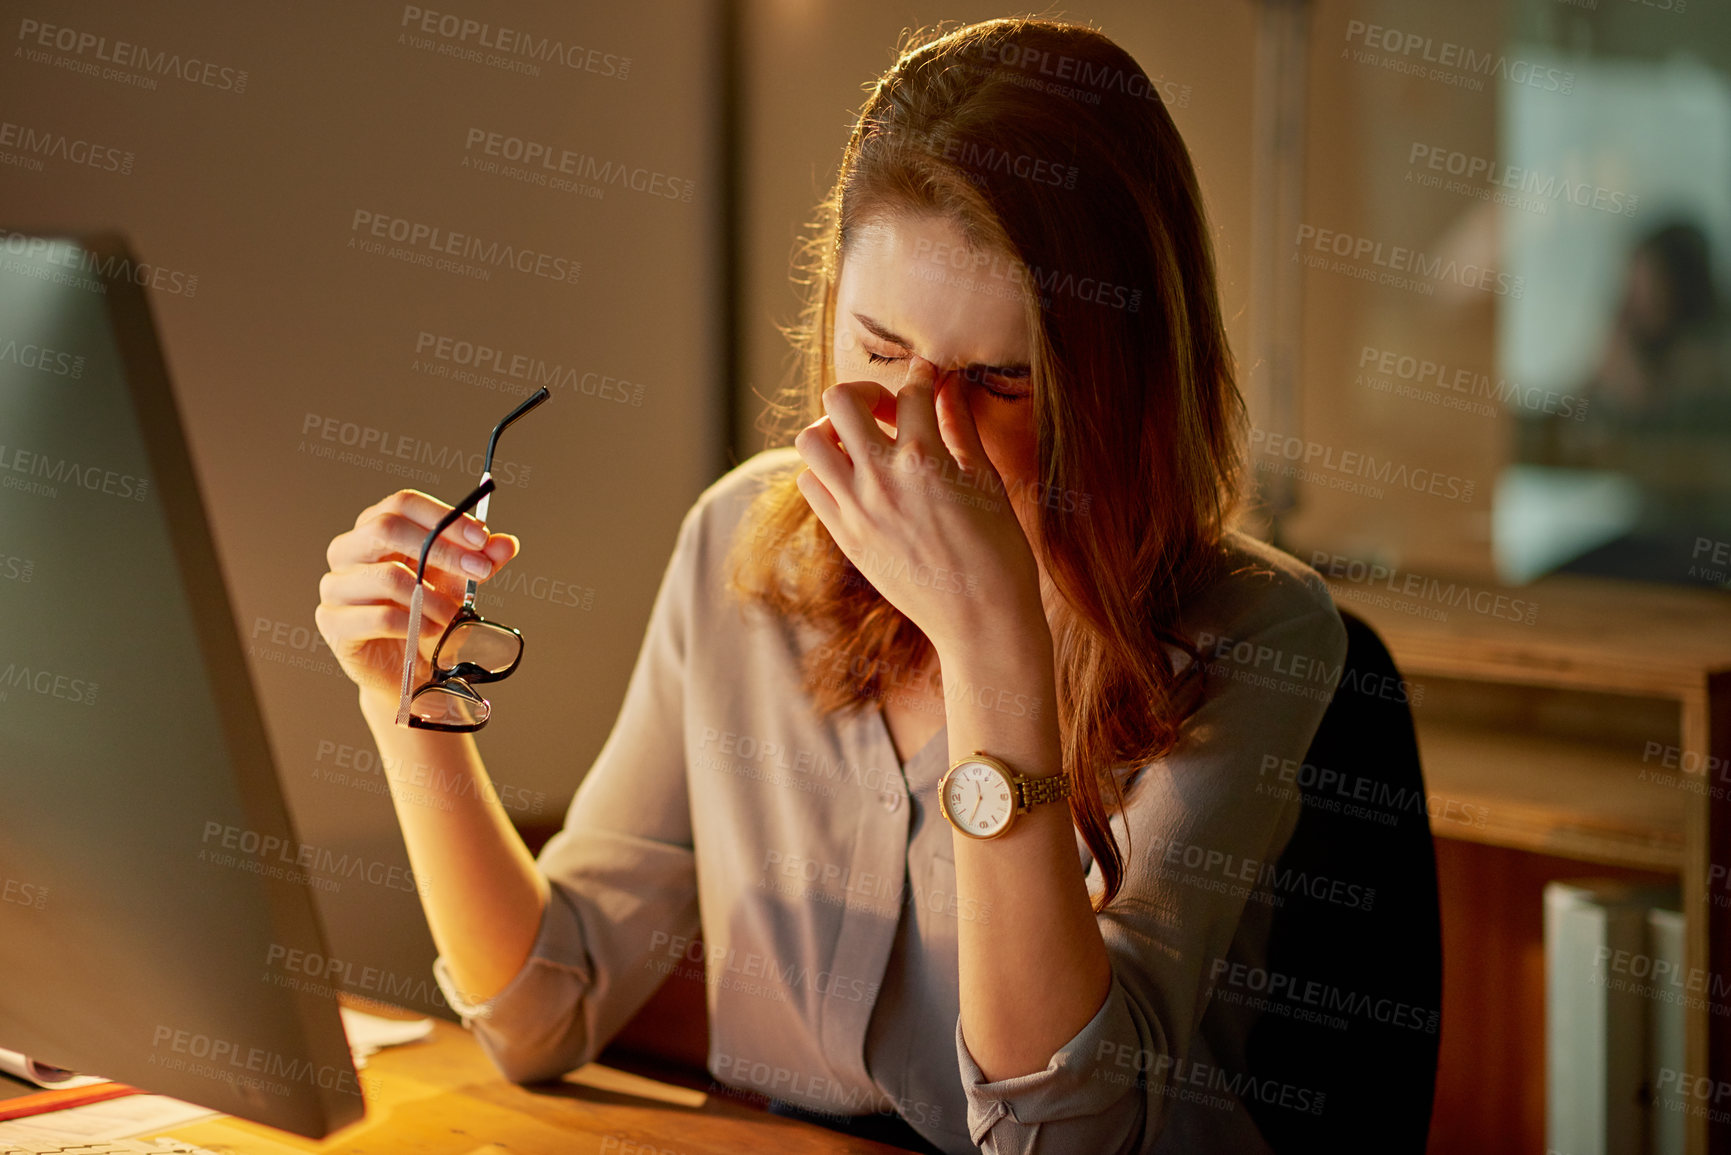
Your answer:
<point x="17" y="465"/>
<point x="1351" y="469"/>
<point x="1416" y="593"/>
<point x="268" y="854"/>
<point x="513" y="49"/>
<point x="241" y="1065"/>
<point x="30" y="355"/>
<point x="809" y="1089"/>
<point x="1325" y="997"/>
<point x="1211" y="869"/>
<point x="473" y="362"/>
<point x="36" y="680"/>
<point x="1457" y="387"/>
<point x="1530" y="188"/>
<point x="1369" y="259"/>
<point x="1086" y="79"/>
<point x="396" y="453"/>
<point x="544" y="163"/>
<point x="37" y="144"/>
<point x="982" y="268"/>
<point x="37" y="39"/>
<point x="1461" y="65"/>
<point x="87" y="264"/>
<point x="24" y="894"/>
<point x="324" y="975"/>
<point x="18" y="569"/>
<point x="424" y="244"/>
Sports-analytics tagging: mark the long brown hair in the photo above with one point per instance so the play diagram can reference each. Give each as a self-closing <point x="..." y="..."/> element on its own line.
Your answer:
<point x="1140" y="423"/>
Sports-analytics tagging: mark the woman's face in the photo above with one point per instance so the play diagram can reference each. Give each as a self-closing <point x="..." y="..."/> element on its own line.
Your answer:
<point x="910" y="286"/>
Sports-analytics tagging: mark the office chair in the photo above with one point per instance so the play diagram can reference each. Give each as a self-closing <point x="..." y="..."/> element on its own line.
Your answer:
<point x="1382" y="966"/>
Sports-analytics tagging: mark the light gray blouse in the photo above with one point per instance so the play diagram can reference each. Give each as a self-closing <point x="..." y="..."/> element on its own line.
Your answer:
<point x="824" y="882"/>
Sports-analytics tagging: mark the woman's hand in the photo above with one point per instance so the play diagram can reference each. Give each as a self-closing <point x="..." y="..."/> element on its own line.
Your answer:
<point x="363" y="609"/>
<point x="933" y="530"/>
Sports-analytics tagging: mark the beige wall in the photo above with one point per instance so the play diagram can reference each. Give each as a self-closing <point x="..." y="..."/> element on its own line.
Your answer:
<point x="255" y="192"/>
<point x="1363" y="121"/>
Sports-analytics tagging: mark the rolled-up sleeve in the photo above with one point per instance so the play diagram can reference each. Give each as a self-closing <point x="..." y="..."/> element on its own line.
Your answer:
<point x="622" y="871"/>
<point x="1203" y="832"/>
<point x="1070" y="1088"/>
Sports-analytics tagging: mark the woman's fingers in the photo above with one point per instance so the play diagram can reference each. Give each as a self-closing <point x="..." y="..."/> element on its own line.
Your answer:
<point x="421" y="510"/>
<point x="350" y="629"/>
<point x="364" y="600"/>
<point x="424" y="511"/>
<point x="827" y="463"/>
<point x="849" y="406"/>
<point x="390" y="582"/>
<point x="915" y="413"/>
<point x="956" y="426"/>
<point x="355" y="624"/>
<point x="388" y="535"/>
<point x="821" y="500"/>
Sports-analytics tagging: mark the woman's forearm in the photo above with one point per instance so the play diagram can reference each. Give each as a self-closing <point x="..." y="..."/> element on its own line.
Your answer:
<point x="479" y="886"/>
<point x="1037" y="971"/>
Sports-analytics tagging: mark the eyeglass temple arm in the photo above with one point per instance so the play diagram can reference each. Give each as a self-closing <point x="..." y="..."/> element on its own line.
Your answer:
<point x="529" y="403"/>
<point x="412" y="642"/>
<point x="472" y="586"/>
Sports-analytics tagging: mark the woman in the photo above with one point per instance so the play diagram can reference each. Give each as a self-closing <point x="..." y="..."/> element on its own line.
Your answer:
<point x="1019" y="464"/>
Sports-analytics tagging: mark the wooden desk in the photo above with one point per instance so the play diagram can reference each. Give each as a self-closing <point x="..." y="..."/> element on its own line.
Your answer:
<point x="443" y="1097"/>
<point x="1600" y="732"/>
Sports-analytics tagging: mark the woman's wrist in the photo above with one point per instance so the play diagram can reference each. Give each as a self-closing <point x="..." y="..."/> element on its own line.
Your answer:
<point x="1000" y="697"/>
<point x="377" y="702"/>
<point x="1017" y="652"/>
<point x="379" y="707"/>
<point x="406" y="745"/>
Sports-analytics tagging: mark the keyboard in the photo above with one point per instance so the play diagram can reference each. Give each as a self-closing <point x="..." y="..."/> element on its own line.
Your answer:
<point x="110" y="1147"/>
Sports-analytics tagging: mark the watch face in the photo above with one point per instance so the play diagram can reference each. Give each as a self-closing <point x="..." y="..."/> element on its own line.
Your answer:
<point x="978" y="799"/>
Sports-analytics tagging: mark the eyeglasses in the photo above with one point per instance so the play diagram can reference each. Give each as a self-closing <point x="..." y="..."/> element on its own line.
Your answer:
<point x="472" y="649"/>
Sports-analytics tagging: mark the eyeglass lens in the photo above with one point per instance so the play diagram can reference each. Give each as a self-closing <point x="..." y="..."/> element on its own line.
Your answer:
<point x="450" y="703"/>
<point x="479" y="644"/>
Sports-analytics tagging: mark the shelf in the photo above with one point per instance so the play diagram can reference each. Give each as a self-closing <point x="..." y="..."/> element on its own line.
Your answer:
<point x="1565" y="798"/>
<point x="1587" y="633"/>
<point x="1569" y="788"/>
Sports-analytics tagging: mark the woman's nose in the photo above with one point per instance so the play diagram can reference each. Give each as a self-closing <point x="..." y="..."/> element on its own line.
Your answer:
<point x="940" y="377"/>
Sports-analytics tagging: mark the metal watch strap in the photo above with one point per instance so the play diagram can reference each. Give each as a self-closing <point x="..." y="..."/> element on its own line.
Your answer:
<point x="1052" y="788"/>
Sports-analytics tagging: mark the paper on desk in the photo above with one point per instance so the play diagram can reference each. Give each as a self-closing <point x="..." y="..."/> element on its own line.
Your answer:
<point x="370" y="1033"/>
<point x="121" y="1118"/>
<point x="23" y="1067"/>
<point x="136" y="1115"/>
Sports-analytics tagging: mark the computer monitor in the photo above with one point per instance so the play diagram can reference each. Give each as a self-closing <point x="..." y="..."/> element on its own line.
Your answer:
<point x="152" y="887"/>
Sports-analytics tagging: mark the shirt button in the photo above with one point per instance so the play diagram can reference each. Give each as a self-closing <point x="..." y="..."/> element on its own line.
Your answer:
<point x="891" y="799"/>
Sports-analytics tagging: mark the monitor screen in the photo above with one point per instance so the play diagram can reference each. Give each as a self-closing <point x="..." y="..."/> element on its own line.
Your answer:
<point x="151" y="883"/>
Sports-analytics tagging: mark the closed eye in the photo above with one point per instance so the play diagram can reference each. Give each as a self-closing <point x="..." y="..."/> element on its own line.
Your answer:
<point x="972" y="375"/>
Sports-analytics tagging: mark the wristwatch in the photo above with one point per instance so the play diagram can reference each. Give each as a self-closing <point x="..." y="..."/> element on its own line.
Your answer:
<point x="981" y="796"/>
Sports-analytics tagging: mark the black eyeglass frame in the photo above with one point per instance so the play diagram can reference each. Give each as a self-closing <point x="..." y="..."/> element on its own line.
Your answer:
<point x="456" y="679"/>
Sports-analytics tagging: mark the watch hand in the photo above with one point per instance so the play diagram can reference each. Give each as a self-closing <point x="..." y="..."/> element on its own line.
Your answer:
<point x="979" y="797"/>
